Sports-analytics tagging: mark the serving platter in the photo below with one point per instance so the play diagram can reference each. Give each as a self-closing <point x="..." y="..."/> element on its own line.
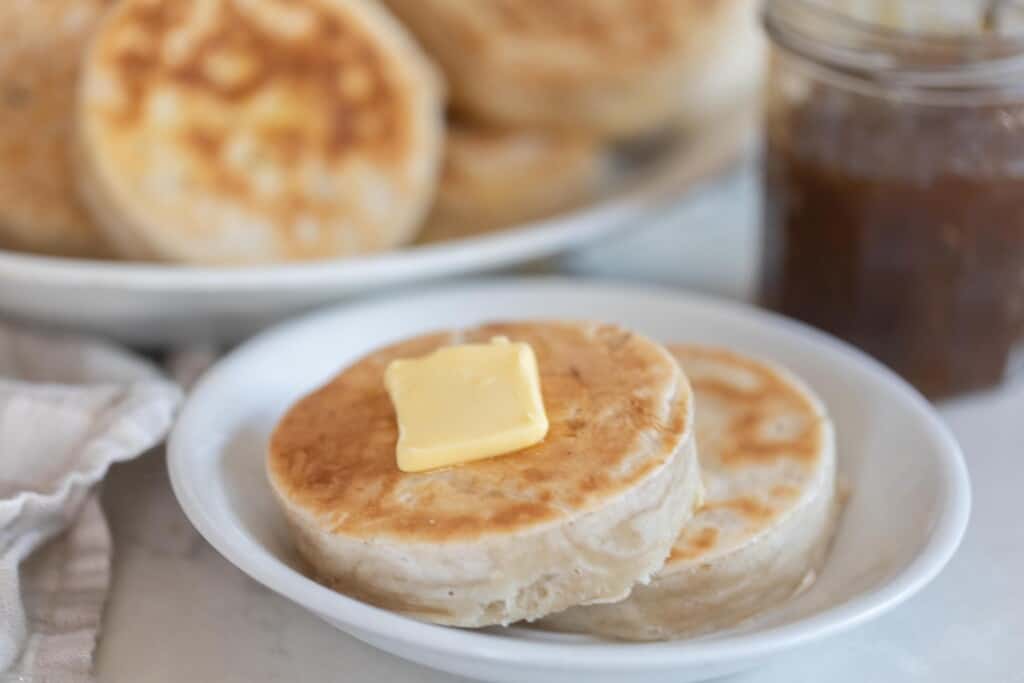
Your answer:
<point x="163" y="305"/>
<point x="905" y="516"/>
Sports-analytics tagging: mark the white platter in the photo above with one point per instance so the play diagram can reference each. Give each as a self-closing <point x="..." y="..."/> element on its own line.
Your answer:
<point x="906" y="515"/>
<point x="162" y="305"/>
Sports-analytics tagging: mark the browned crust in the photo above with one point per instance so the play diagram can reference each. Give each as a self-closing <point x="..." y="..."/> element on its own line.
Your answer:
<point x="311" y="126"/>
<point x="337" y="61"/>
<point x="741" y="443"/>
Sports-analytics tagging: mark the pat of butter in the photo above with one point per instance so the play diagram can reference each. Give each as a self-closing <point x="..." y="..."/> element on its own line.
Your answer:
<point x="466" y="402"/>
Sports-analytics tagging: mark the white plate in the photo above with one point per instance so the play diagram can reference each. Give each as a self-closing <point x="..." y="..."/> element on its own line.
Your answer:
<point x="906" y="515"/>
<point x="163" y="305"/>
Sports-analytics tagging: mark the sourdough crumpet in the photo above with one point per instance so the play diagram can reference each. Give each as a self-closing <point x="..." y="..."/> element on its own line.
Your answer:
<point x="41" y="44"/>
<point x="255" y="131"/>
<point x="496" y="177"/>
<point x="768" y="463"/>
<point x="577" y="518"/>
<point x="615" y="67"/>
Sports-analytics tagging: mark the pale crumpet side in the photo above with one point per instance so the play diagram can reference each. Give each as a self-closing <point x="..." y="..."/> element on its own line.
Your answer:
<point x="768" y="462"/>
<point x="41" y="45"/>
<point x="577" y="518"/>
<point x="497" y="177"/>
<point x="257" y="131"/>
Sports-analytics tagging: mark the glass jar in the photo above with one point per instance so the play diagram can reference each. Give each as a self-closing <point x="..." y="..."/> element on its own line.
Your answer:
<point x="894" y="188"/>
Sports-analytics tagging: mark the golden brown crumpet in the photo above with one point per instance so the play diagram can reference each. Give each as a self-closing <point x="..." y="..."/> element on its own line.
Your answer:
<point x="615" y="67"/>
<point x="498" y="177"/>
<point x="41" y="43"/>
<point x="254" y="131"/>
<point x="768" y="463"/>
<point x="579" y="517"/>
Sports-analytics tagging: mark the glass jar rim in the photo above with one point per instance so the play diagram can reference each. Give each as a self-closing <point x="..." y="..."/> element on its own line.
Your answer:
<point x="931" y="63"/>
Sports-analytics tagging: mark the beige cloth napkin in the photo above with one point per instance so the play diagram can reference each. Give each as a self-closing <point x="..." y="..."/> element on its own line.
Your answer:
<point x="69" y="408"/>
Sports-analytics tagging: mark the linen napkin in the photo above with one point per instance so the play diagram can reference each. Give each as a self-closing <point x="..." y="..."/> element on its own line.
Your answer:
<point x="69" y="408"/>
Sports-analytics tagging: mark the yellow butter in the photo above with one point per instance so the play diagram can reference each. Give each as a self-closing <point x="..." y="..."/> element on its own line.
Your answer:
<point x="466" y="402"/>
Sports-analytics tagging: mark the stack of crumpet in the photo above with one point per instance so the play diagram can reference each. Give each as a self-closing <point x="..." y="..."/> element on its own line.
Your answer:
<point x="604" y="522"/>
<point x="239" y="132"/>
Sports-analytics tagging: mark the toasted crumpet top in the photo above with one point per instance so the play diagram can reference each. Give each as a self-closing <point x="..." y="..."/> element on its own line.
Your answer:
<point x="763" y="440"/>
<point x="618" y="409"/>
<point x="309" y="119"/>
<point x="41" y="43"/>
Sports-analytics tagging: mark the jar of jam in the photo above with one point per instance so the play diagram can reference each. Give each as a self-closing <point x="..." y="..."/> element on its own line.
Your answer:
<point x="894" y="181"/>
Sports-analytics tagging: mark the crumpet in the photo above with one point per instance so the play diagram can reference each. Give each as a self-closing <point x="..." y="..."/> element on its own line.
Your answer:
<point x="577" y="518"/>
<point x="612" y="67"/>
<point x="255" y="131"/>
<point x="41" y="44"/>
<point x="768" y="463"/>
<point x="496" y="177"/>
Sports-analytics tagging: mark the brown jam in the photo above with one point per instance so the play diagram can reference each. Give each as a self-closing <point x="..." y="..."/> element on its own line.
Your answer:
<point x="900" y="227"/>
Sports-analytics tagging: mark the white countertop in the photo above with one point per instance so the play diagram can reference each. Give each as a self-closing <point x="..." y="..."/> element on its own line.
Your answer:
<point x="179" y="612"/>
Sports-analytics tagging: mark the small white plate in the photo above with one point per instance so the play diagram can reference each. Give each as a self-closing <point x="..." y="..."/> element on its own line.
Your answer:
<point x="905" y="517"/>
<point x="163" y="305"/>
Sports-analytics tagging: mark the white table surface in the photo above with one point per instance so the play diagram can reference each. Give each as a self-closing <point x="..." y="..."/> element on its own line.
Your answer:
<point x="179" y="612"/>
